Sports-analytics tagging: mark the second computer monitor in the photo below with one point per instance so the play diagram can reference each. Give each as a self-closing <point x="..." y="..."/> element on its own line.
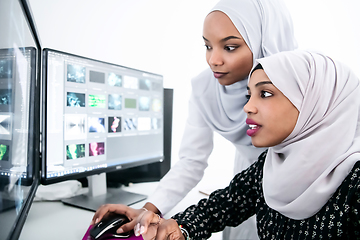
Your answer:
<point x="99" y="117"/>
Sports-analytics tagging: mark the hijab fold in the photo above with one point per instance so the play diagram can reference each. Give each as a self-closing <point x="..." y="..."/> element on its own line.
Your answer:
<point x="302" y="173"/>
<point x="266" y="27"/>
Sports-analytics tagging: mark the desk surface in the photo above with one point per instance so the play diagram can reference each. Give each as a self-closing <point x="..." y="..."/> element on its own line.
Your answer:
<point x="57" y="221"/>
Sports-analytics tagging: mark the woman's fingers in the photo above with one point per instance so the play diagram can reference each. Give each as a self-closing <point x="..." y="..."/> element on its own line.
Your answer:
<point x="99" y="214"/>
<point x="145" y="221"/>
<point x="126" y="227"/>
<point x="115" y="208"/>
<point x="152" y="227"/>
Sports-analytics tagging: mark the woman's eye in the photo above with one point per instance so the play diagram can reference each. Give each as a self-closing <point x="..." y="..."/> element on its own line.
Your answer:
<point x="207" y="47"/>
<point x="247" y="96"/>
<point x="230" y="48"/>
<point x="265" y="94"/>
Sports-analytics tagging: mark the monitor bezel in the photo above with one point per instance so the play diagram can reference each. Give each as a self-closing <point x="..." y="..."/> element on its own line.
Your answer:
<point x="34" y="126"/>
<point x="43" y="178"/>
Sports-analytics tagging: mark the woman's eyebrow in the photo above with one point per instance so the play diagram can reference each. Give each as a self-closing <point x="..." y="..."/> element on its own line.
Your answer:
<point x="229" y="37"/>
<point x="263" y="83"/>
<point x="225" y="39"/>
<point x="259" y="84"/>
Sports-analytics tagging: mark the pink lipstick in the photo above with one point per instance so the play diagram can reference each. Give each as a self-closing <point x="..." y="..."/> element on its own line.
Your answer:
<point x="254" y="127"/>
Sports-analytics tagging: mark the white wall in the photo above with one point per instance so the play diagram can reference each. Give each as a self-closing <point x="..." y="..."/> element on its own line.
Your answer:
<point x="331" y="26"/>
<point x="165" y="37"/>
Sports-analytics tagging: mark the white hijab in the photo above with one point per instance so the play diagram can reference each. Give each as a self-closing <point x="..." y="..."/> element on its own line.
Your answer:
<point x="266" y="27"/>
<point x="302" y="173"/>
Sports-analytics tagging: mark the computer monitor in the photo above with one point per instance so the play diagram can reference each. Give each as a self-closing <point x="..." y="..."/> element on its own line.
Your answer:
<point x="19" y="115"/>
<point x="98" y="117"/>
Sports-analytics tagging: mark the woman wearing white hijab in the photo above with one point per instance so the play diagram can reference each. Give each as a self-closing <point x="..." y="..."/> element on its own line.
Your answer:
<point x="236" y="32"/>
<point x="266" y="27"/>
<point x="305" y="107"/>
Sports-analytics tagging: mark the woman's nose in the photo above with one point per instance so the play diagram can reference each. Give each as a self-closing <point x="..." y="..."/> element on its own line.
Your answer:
<point x="249" y="107"/>
<point x="215" y="58"/>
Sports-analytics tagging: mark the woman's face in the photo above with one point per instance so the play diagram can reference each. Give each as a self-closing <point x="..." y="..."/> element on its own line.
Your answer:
<point x="270" y="115"/>
<point x="226" y="51"/>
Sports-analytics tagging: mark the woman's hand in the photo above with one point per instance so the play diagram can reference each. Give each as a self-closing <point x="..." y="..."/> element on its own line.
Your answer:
<point x="129" y="212"/>
<point x="151" y="226"/>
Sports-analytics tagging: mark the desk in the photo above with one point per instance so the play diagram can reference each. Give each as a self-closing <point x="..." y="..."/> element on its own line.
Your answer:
<point x="57" y="221"/>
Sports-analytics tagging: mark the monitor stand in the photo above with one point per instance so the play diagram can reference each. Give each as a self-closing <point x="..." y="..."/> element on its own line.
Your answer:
<point x="99" y="195"/>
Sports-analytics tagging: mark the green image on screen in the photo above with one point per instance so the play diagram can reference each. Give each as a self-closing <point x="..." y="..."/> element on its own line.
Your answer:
<point x="130" y="103"/>
<point x="4" y="153"/>
<point x="74" y="151"/>
<point x="98" y="101"/>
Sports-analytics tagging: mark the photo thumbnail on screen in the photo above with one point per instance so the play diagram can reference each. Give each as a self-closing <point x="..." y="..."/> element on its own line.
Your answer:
<point x="96" y="125"/>
<point x="96" y="77"/>
<point x="75" y="151"/>
<point x="145" y="84"/>
<point x="131" y="82"/>
<point x="144" y="123"/>
<point x="96" y="148"/>
<point x="6" y="66"/>
<point x="115" y="80"/>
<point x="6" y="84"/>
<point x="75" y="99"/>
<point x="5" y="124"/>
<point x="144" y="103"/>
<point x="114" y="101"/>
<point x="75" y="125"/>
<point x="76" y="73"/>
<point x="97" y="101"/>
<point x="156" y="123"/>
<point x="6" y="97"/>
<point x="114" y="124"/>
<point x="130" y="103"/>
<point x="130" y="124"/>
<point x="157" y="87"/>
<point x="4" y="152"/>
<point x="156" y="105"/>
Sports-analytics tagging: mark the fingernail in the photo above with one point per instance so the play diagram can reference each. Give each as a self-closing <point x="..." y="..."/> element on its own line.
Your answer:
<point x="142" y="229"/>
<point x="97" y="220"/>
<point x="120" y="230"/>
<point x="137" y="227"/>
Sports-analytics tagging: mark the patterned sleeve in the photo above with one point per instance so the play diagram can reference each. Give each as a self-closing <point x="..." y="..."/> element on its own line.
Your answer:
<point x="224" y="207"/>
<point x="354" y="218"/>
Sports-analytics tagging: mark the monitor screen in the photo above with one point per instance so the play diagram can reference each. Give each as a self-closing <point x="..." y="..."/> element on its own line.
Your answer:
<point x="17" y="70"/>
<point x="153" y="171"/>
<point x="19" y="115"/>
<point x="99" y="117"/>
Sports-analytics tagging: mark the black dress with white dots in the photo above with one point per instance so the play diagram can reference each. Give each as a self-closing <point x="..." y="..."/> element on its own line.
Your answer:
<point x="339" y="218"/>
